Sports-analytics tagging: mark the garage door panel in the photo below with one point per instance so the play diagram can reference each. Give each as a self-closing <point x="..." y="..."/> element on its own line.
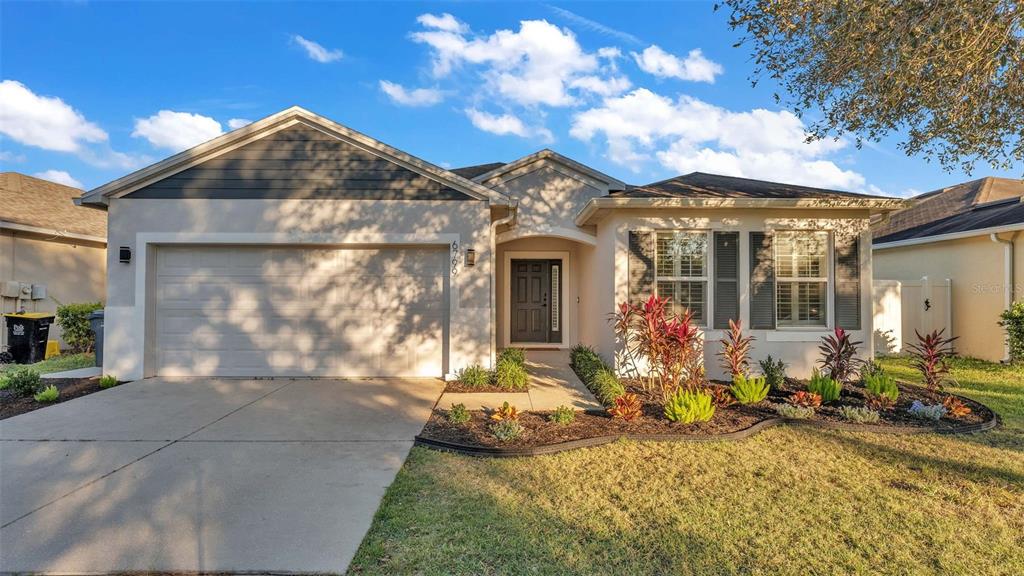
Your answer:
<point x="251" y="311"/>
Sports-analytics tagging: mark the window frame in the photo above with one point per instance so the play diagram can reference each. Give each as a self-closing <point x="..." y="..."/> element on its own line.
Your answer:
<point x="828" y="280"/>
<point x="705" y="321"/>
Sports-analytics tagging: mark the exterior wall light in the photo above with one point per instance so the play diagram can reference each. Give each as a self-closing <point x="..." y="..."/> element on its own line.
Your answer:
<point x="470" y="257"/>
<point x="124" y="254"/>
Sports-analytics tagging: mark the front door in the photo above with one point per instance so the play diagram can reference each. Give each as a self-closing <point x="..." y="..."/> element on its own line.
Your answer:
<point x="534" y="297"/>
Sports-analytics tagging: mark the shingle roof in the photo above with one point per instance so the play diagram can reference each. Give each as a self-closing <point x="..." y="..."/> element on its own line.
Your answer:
<point x="471" y="172"/>
<point x="702" y="185"/>
<point x="40" y="203"/>
<point x="975" y="205"/>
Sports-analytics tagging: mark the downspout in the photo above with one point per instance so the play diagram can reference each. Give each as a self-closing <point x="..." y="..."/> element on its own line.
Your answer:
<point x="1007" y="283"/>
<point x="513" y="212"/>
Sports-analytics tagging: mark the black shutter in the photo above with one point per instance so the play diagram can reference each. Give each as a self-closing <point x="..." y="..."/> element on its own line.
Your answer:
<point x="762" y="281"/>
<point x="641" y="265"/>
<point x="847" y="262"/>
<point x="727" y="278"/>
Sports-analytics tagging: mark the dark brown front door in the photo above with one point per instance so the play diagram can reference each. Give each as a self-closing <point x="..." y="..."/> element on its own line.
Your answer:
<point x="532" y="297"/>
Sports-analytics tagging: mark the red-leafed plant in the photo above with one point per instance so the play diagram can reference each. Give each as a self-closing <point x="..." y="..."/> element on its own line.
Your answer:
<point x="721" y="397"/>
<point x="839" y="356"/>
<point x="669" y="344"/>
<point x="955" y="407"/>
<point x="735" y="353"/>
<point x="627" y="407"/>
<point x="930" y="354"/>
<point x="805" y="399"/>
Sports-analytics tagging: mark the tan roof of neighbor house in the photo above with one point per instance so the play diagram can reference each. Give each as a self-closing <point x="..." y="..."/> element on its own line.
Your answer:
<point x="974" y="205"/>
<point x="39" y="203"/>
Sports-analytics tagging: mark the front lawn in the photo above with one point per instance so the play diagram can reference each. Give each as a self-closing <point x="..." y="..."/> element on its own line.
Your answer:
<point x="788" y="501"/>
<point x="57" y="363"/>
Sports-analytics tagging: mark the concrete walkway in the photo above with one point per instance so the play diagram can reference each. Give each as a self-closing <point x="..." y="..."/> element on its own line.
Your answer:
<point x="90" y="372"/>
<point x="204" y="475"/>
<point x="552" y="384"/>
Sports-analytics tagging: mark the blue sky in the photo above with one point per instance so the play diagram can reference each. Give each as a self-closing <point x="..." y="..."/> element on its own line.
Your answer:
<point x="93" y="90"/>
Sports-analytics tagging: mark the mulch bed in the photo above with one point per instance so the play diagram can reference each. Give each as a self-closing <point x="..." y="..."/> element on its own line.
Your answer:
<point x="729" y="422"/>
<point x="11" y="404"/>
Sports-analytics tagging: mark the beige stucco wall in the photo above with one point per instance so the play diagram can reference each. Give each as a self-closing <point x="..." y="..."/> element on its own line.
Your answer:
<point x="138" y="223"/>
<point x="976" y="267"/>
<point x="796" y="346"/>
<point x="72" y="271"/>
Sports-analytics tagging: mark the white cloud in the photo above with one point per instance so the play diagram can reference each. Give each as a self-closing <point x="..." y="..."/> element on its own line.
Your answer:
<point x="317" y="52"/>
<point x="695" y="66"/>
<point x="535" y="65"/>
<point x="445" y="22"/>
<point x="60" y="177"/>
<point x="44" y="121"/>
<point x="416" y="97"/>
<point x="611" y="86"/>
<point x="506" y="124"/>
<point x="236" y="123"/>
<point x="688" y="135"/>
<point x="177" y="130"/>
<point x="8" y="156"/>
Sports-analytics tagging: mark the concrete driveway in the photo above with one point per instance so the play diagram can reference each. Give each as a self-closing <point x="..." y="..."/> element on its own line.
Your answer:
<point x="204" y="474"/>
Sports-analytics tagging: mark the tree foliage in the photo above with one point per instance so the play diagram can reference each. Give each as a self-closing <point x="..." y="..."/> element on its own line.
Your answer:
<point x="949" y="74"/>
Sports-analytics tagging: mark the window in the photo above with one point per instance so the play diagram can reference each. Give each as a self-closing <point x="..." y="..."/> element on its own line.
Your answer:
<point x="801" y="278"/>
<point x="681" y="266"/>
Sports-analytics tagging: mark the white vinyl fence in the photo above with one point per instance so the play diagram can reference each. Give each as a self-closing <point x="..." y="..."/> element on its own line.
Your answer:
<point x="902" y="307"/>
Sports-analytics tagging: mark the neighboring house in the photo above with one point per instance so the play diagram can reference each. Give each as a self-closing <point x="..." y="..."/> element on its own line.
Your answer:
<point x="296" y="246"/>
<point x="45" y="239"/>
<point x="971" y="234"/>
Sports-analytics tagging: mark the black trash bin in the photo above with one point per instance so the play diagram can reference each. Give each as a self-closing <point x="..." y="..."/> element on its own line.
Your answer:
<point x="96" y="324"/>
<point x="27" y="334"/>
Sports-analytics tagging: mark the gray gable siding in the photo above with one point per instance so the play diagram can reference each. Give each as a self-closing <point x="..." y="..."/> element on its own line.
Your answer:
<point x="299" y="163"/>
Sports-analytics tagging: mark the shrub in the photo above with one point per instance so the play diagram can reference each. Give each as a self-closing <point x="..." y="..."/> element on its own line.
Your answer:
<point x="670" y="344"/>
<point x="1012" y="319"/>
<point x="48" y="394"/>
<point x="805" y="399"/>
<point x="881" y="384"/>
<point x="688" y="406"/>
<point x="925" y="411"/>
<point x="23" y="381"/>
<point x="749" y="389"/>
<point x="870" y="368"/>
<point x="506" y="412"/>
<point x="824" y="386"/>
<point x="73" y="320"/>
<point x="586" y="362"/>
<point x="859" y="414"/>
<point x="955" y="407"/>
<point x="607" y="387"/>
<point x="879" y="402"/>
<point x="627" y="407"/>
<point x="721" y="397"/>
<point x="458" y="414"/>
<point x="563" y="415"/>
<point x="507" y="430"/>
<point x="108" y="381"/>
<point x="774" y="372"/>
<point x="930" y="354"/>
<point x="510" y="376"/>
<point x="735" y="353"/>
<point x="794" y="412"/>
<point x="517" y="355"/>
<point x="475" y="376"/>
<point x="839" y="355"/>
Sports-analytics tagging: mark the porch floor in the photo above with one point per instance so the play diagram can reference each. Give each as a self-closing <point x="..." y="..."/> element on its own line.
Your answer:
<point x="552" y="384"/>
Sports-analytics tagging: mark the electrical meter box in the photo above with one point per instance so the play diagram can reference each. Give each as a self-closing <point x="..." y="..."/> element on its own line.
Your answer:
<point x="39" y="291"/>
<point x="10" y="289"/>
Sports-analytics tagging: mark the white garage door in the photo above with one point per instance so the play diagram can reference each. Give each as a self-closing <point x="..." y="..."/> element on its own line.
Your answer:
<point x="300" y="311"/>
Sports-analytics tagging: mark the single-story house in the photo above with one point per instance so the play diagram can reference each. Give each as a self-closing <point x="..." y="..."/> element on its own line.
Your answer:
<point x="970" y="234"/>
<point x="297" y="246"/>
<point x="48" y="241"/>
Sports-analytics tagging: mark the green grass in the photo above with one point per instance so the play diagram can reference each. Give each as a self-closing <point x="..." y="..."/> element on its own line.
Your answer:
<point x="788" y="501"/>
<point x="57" y="363"/>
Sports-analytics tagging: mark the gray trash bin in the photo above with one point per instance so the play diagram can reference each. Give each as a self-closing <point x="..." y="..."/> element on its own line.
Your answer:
<point x="96" y="324"/>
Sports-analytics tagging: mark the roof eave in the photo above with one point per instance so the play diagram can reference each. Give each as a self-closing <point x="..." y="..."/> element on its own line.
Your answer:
<point x="51" y="232"/>
<point x="873" y="205"/>
<point x="950" y="236"/>
<point x="548" y="154"/>
<point x="100" y="196"/>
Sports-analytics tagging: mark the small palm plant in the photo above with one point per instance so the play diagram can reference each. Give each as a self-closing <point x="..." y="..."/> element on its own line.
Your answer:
<point x="930" y="358"/>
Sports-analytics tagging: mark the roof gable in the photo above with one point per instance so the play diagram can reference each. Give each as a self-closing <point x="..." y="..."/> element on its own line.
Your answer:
<point x="294" y="135"/>
<point x="522" y="165"/>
